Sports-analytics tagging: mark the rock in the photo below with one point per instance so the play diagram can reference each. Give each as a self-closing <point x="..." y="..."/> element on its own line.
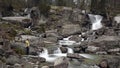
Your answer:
<point x="77" y="49"/>
<point x="69" y="29"/>
<point x="51" y="33"/>
<point x="11" y="60"/>
<point x="45" y="67"/>
<point x="114" y="62"/>
<point x="61" y="62"/>
<point x="75" y="38"/>
<point x="26" y="23"/>
<point x="33" y="51"/>
<point x="18" y="47"/>
<point x="101" y="52"/>
<point x="92" y="49"/>
<point x="51" y="39"/>
<point x="106" y="42"/>
<point x="114" y="51"/>
<point x="2" y="52"/>
<point x="104" y="64"/>
<point x="74" y="56"/>
<point x="30" y="37"/>
<point x="63" y="49"/>
<point x="35" y="59"/>
<point x="76" y="16"/>
<point x="17" y="66"/>
<point x="1" y="64"/>
<point x="28" y="65"/>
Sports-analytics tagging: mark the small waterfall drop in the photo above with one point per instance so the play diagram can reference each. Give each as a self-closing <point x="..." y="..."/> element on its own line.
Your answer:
<point x="70" y="50"/>
<point x="96" y="21"/>
<point x="58" y="51"/>
<point x="44" y="53"/>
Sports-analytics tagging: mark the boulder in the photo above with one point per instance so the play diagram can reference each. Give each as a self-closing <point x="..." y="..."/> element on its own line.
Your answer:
<point x="114" y="62"/>
<point x="106" y="42"/>
<point x="45" y="67"/>
<point x="104" y="64"/>
<point x="33" y="51"/>
<point x="69" y="29"/>
<point x="75" y="38"/>
<point x="77" y="49"/>
<point x="35" y="59"/>
<point x="11" y="60"/>
<point x="51" y="39"/>
<point x="74" y="56"/>
<point x="92" y="49"/>
<point x="28" y="65"/>
<point x="61" y="62"/>
<point x="114" y="51"/>
<point x="63" y="49"/>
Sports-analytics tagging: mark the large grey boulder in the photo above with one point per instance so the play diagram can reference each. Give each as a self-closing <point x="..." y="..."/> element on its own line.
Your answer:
<point x="61" y="62"/>
<point x="69" y="29"/>
<point x="11" y="60"/>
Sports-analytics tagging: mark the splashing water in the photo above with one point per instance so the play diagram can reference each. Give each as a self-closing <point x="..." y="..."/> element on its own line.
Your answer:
<point x="70" y="50"/>
<point x="53" y="57"/>
<point x="96" y="21"/>
<point x="58" y="51"/>
<point x="45" y="55"/>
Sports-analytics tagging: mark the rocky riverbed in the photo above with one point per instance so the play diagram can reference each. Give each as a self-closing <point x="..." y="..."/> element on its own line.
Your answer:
<point x="67" y="38"/>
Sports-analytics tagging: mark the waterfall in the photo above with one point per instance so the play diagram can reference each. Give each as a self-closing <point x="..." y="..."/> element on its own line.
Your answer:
<point x="70" y="50"/>
<point x="58" y="51"/>
<point x="44" y="53"/>
<point x="66" y="41"/>
<point x="96" y="21"/>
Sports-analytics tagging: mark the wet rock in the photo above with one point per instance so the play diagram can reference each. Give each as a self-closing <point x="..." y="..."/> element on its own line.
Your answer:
<point x="74" y="56"/>
<point x="61" y="62"/>
<point x="63" y="49"/>
<point x="77" y="50"/>
<point x="35" y="59"/>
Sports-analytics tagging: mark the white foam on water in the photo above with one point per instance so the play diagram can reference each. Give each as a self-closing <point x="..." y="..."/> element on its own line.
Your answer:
<point x="53" y="57"/>
<point x="58" y="51"/>
<point x="70" y="50"/>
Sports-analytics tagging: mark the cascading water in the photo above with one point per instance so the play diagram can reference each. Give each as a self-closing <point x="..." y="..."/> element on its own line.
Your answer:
<point x="66" y="41"/>
<point x="45" y="55"/>
<point x="96" y="21"/>
<point x="70" y="50"/>
<point x="57" y="54"/>
<point x="58" y="51"/>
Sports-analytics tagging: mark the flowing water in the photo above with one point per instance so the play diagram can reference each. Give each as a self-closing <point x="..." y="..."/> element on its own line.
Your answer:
<point x="70" y="50"/>
<point x="58" y="53"/>
<point x="96" y="21"/>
